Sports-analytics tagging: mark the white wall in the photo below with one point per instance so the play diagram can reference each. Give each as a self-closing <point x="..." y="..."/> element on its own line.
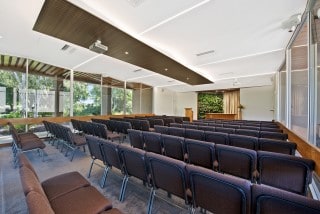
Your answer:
<point x="167" y="102"/>
<point x="146" y="101"/>
<point x="258" y="101"/>
<point x="186" y="100"/>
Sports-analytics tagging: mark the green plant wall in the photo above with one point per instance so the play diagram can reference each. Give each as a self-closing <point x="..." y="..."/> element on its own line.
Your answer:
<point x="209" y="103"/>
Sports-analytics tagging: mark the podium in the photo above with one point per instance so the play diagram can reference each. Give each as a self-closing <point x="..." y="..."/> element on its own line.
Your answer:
<point x="189" y="113"/>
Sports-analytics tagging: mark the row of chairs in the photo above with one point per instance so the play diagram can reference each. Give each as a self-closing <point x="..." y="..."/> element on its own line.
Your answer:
<point x="24" y="142"/>
<point x="248" y="164"/>
<point x="142" y="124"/>
<point x="254" y="133"/>
<point x="65" y="138"/>
<point x="241" y="122"/>
<point x="199" y="187"/>
<point x="200" y="125"/>
<point x="239" y="139"/>
<point x="95" y="128"/>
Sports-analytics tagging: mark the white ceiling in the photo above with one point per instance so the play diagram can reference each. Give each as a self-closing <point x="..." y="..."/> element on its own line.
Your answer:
<point x="246" y="37"/>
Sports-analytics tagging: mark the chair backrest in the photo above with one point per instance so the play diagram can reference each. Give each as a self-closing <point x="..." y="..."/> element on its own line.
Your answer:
<point x="207" y="128"/>
<point x="231" y="126"/>
<point x="225" y="130"/>
<point x="176" y="131"/>
<point x="269" y="129"/>
<point x="135" y="137"/>
<point x="178" y="119"/>
<point x="13" y="131"/>
<point x="134" y="163"/>
<point x="250" y="127"/>
<point x="178" y="125"/>
<point x="216" y="137"/>
<point x="286" y="172"/>
<point x="190" y="126"/>
<point x="152" y="142"/>
<point x="268" y="200"/>
<point x="278" y="146"/>
<point x="168" y="174"/>
<point x="125" y="126"/>
<point x="200" y="153"/>
<point x="242" y="141"/>
<point x="110" y="153"/>
<point x="100" y="130"/>
<point x="167" y="121"/>
<point x="237" y="161"/>
<point x="161" y="129"/>
<point x="158" y="122"/>
<point x="248" y="132"/>
<point x="194" y="134"/>
<point x="219" y="193"/>
<point x="145" y="125"/>
<point x="273" y="135"/>
<point x="94" y="147"/>
<point x="173" y="146"/>
<point x="136" y="124"/>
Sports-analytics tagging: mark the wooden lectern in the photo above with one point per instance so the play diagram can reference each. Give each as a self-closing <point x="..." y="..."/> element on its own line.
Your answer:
<point x="189" y="113"/>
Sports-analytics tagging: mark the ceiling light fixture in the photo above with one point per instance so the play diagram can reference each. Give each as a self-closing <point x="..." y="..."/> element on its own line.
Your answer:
<point x="166" y="69"/>
<point x="126" y="53"/>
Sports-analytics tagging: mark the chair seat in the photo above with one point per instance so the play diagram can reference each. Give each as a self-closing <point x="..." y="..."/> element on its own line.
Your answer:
<point x="81" y="201"/>
<point x="31" y="144"/>
<point x="62" y="184"/>
<point x="112" y="135"/>
<point x="79" y="140"/>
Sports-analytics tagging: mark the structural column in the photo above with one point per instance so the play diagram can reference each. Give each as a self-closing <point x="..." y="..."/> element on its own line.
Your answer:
<point x="105" y="100"/>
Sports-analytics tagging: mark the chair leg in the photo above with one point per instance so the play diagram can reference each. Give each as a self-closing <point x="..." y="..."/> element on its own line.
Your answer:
<point x="150" y="202"/>
<point x="104" y="176"/>
<point x="192" y="210"/>
<point x="91" y="165"/>
<point x="73" y="152"/>
<point x="123" y="188"/>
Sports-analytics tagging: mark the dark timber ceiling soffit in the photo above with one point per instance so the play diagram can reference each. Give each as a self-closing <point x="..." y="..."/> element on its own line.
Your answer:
<point x="13" y="63"/>
<point x="63" y="20"/>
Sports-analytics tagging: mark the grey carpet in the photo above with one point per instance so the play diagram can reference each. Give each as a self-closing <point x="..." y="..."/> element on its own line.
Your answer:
<point x="13" y="200"/>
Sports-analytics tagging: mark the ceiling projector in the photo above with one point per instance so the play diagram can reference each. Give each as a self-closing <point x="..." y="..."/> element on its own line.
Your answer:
<point x="98" y="47"/>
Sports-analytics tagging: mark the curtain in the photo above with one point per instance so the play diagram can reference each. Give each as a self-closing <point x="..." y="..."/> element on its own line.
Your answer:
<point x="231" y="101"/>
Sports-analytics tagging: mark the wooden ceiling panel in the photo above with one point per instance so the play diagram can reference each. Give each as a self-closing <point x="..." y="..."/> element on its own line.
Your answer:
<point x="63" y="20"/>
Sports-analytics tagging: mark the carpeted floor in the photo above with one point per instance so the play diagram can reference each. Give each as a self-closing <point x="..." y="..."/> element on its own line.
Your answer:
<point x="12" y="199"/>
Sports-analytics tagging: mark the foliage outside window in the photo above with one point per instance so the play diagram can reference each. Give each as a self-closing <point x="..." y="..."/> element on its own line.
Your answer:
<point x="117" y="101"/>
<point x="209" y="103"/>
<point x="86" y="99"/>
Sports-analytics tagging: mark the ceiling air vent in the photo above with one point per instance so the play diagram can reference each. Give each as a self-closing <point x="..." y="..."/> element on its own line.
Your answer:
<point x="135" y="71"/>
<point x="65" y="47"/>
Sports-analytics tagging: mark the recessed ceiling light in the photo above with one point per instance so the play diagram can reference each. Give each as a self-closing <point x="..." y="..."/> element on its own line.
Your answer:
<point x="188" y="78"/>
<point x="166" y="69"/>
<point x="126" y="53"/>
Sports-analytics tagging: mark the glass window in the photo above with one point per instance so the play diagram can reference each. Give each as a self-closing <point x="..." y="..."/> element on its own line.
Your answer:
<point x="86" y="99"/>
<point x="119" y="102"/>
<point x="299" y="83"/>
<point x="283" y="96"/>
